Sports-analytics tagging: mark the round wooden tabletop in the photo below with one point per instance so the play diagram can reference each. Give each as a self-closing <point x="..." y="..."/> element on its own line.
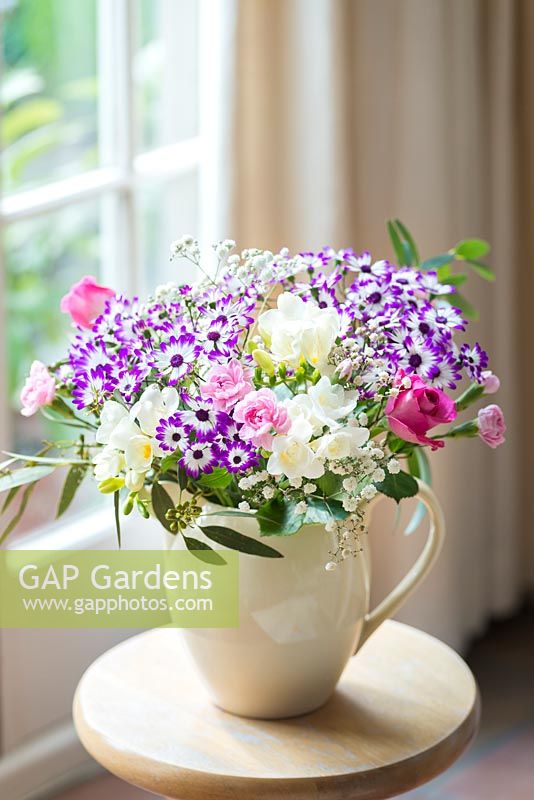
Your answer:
<point x="406" y="708"/>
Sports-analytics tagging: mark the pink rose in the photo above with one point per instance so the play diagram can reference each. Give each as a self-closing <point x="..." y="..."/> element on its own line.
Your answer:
<point x="417" y="409"/>
<point x="261" y="416"/>
<point x="226" y="385"/>
<point x="85" y="301"/>
<point x="490" y="382"/>
<point x="39" y="389"/>
<point x="491" y="425"/>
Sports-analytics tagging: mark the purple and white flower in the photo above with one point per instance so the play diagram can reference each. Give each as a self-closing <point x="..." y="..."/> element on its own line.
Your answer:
<point x="171" y="434"/>
<point x="238" y="457"/>
<point x="198" y="457"/>
<point x="474" y="359"/>
<point x="177" y="357"/>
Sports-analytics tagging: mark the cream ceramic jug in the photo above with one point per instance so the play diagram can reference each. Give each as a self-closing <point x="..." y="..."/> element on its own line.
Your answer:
<point x="299" y="623"/>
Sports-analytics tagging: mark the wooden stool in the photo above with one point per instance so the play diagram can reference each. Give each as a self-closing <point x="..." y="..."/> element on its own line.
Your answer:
<point x="407" y="706"/>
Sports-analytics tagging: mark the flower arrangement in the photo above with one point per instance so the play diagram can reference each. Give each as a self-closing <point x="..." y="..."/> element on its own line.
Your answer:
<point x="292" y="388"/>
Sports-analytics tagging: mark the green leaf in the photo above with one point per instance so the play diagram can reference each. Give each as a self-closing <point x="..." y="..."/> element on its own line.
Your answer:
<point x="329" y="484"/>
<point x="219" y="478"/>
<point x="229" y="513"/>
<point x="60" y="411"/>
<point x="408" y="238"/>
<point x="278" y="518"/>
<point x="182" y="479"/>
<point x="20" y="511"/>
<point x="322" y="511"/>
<point x="398" y="486"/>
<point x="58" y="462"/>
<point x="237" y="541"/>
<point x="168" y="462"/>
<point x="460" y="301"/>
<point x="471" y="248"/>
<point x="10" y="497"/>
<point x="437" y="261"/>
<point x="397" y="244"/>
<point x="455" y="280"/>
<point x="116" y="500"/>
<point x="75" y="476"/>
<point x="25" y="475"/>
<point x="161" y="503"/>
<point x="203" y="551"/>
<point x="482" y="270"/>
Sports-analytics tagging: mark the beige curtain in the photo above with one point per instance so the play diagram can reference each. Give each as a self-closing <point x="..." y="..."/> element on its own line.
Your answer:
<point x="335" y="115"/>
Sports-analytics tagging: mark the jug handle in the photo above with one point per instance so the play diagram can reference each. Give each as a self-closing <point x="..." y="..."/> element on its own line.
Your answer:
<point x="419" y="571"/>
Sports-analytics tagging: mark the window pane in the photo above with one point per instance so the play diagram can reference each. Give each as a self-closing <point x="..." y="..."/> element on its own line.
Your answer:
<point x="167" y="211"/>
<point x="44" y="257"/>
<point x="49" y="91"/>
<point x="166" y="71"/>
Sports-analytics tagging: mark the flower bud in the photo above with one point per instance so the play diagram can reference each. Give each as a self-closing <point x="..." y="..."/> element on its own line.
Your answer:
<point x="129" y="504"/>
<point x="264" y="361"/>
<point x="110" y="485"/>
<point x="141" y="507"/>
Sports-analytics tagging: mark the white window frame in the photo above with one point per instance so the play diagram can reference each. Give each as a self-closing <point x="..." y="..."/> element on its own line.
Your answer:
<point x="123" y="172"/>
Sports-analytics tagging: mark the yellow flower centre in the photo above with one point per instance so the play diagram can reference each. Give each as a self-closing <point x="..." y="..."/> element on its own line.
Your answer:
<point x="147" y="450"/>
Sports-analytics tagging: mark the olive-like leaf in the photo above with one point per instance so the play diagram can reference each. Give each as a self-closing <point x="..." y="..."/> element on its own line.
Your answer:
<point x="25" y="475"/>
<point x="161" y="503"/>
<point x="237" y="541"/>
<point x="74" y="478"/>
<point x="20" y="511"/>
<point x="116" y="499"/>
<point x="203" y="551"/>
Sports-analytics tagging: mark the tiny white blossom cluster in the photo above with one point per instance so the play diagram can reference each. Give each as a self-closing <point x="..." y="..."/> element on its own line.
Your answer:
<point x="186" y="247"/>
<point x="261" y="268"/>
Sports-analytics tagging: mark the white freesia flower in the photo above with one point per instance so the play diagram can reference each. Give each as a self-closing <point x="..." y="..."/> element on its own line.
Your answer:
<point x="294" y="458"/>
<point x="121" y="434"/>
<point x="305" y="422"/>
<point x="296" y="330"/>
<point x="324" y="405"/>
<point x="110" y="416"/>
<point x="342" y="443"/>
<point x="134" y="481"/>
<point x="331" y="401"/>
<point x="153" y="405"/>
<point x="139" y="453"/>
<point x="108" y="463"/>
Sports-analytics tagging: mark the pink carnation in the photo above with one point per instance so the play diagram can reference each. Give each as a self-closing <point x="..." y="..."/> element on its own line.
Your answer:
<point x="491" y="425"/>
<point x="417" y="409"/>
<point x="490" y="382"/>
<point x="226" y="385"/>
<point x="39" y="389"/>
<point x="262" y="416"/>
<point x="85" y="301"/>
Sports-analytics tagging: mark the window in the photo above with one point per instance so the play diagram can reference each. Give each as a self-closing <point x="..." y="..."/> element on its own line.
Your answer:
<point x="100" y="167"/>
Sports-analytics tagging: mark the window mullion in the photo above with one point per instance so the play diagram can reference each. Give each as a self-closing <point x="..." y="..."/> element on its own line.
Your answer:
<point x="120" y="260"/>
